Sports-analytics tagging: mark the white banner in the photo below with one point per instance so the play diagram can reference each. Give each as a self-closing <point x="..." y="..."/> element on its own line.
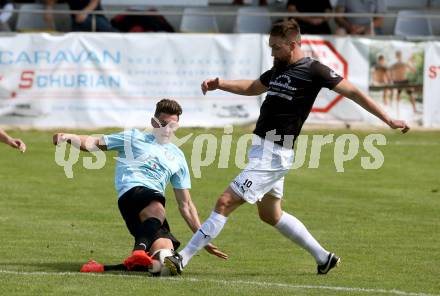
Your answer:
<point x="93" y="80"/>
<point x="431" y="94"/>
<point x="97" y="80"/>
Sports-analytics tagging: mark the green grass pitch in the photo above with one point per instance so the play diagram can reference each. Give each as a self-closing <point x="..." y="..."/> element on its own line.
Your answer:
<point x="385" y="224"/>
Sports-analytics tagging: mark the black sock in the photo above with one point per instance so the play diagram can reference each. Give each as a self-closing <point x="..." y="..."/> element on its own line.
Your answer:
<point x="122" y="267"/>
<point x="146" y="233"/>
<point x="117" y="267"/>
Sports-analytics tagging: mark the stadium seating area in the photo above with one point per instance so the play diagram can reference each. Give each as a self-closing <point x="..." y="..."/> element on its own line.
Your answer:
<point x="231" y="18"/>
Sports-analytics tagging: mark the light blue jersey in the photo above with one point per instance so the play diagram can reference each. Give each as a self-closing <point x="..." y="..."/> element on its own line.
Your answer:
<point x="142" y="161"/>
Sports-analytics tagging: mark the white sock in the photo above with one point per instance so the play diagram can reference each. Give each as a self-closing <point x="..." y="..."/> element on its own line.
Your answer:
<point x="209" y="230"/>
<point x="293" y="229"/>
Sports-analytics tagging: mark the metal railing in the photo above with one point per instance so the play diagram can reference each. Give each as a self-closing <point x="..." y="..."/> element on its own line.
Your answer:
<point x="174" y="12"/>
<point x="225" y="13"/>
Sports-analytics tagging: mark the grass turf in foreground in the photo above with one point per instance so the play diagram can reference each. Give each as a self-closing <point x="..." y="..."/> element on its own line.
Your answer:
<point x="384" y="223"/>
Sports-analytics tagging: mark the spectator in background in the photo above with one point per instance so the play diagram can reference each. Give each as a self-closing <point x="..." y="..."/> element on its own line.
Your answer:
<point x="141" y="23"/>
<point x="399" y="74"/>
<point x="380" y="76"/>
<point x="311" y="25"/>
<point x="83" y="21"/>
<point x="241" y="2"/>
<point x="5" y="15"/>
<point x="360" y="25"/>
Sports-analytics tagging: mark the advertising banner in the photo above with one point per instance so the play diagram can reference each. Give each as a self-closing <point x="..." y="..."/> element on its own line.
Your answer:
<point x="396" y="78"/>
<point x="114" y="80"/>
<point x="97" y="80"/>
<point x="431" y="93"/>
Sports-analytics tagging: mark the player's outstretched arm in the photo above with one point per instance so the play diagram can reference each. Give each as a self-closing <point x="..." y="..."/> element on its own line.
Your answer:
<point x="14" y="143"/>
<point x="239" y="87"/>
<point x="189" y="212"/>
<point x="83" y="142"/>
<point x="348" y="90"/>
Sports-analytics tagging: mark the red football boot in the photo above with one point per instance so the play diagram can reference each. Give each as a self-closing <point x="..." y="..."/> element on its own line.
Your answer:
<point x="92" y="266"/>
<point x="138" y="258"/>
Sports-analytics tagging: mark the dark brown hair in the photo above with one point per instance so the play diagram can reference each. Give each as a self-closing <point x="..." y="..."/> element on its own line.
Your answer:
<point x="285" y="29"/>
<point x="168" y="106"/>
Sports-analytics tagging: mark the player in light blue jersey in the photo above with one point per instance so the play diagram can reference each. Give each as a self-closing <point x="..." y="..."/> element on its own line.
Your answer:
<point x="145" y="164"/>
<point x="143" y="161"/>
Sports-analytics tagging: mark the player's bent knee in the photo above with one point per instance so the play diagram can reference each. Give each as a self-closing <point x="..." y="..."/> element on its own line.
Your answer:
<point x="269" y="218"/>
<point x="269" y="221"/>
<point x="222" y="205"/>
<point x="227" y="203"/>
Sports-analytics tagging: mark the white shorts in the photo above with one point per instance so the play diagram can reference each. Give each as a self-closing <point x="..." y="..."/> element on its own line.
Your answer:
<point x="264" y="174"/>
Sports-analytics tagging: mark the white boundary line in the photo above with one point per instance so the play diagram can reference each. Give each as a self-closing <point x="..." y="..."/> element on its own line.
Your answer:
<point x="227" y="282"/>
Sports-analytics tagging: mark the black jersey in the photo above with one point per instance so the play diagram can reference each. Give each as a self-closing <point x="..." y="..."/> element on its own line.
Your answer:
<point x="290" y="97"/>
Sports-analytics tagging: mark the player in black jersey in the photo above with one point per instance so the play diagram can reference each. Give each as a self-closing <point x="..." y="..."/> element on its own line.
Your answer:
<point x="292" y="86"/>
